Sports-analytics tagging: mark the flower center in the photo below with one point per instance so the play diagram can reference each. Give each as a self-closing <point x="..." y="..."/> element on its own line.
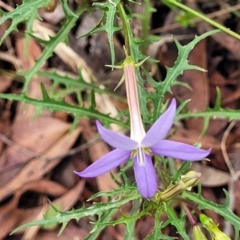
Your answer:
<point x="140" y="153"/>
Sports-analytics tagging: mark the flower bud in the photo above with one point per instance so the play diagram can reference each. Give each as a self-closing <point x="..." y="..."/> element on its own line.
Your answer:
<point x="191" y="179"/>
<point x="198" y="234"/>
<point x="170" y="192"/>
<point x="214" y="231"/>
<point x="187" y="181"/>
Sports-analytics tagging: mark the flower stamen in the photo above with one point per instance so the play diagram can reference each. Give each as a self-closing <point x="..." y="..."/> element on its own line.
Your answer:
<point x="141" y="158"/>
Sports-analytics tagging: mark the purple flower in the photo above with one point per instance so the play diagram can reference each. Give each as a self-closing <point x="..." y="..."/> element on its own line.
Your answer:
<point x="140" y="146"/>
<point x="141" y="149"/>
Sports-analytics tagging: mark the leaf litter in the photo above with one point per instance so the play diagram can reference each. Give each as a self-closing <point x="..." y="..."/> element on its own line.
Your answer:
<point x="32" y="149"/>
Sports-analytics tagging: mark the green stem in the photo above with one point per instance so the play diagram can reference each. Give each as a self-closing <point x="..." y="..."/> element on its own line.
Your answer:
<point x="123" y="18"/>
<point x="146" y="24"/>
<point x="206" y="19"/>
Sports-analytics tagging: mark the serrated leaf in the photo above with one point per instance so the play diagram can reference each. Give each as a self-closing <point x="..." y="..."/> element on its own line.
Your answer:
<point x="157" y="233"/>
<point x="21" y="13"/>
<point x="64" y="224"/>
<point x="116" y="192"/>
<point x="52" y="211"/>
<point x="179" y="223"/>
<point x="44" y="93"/>
<point x="50" y="46"/>
<point x="130" y="233"/>
<point x="53" y="105"/>
<point x="230" y="114"/>
<point x="218" y="99"/>
<point x="96" y="209"/>
<point x="68" y="12"/>
<point x="29" y="25"/>
<point x="98" y="227"/>
<point x="180" y="65"/>
<point x="183" y="84"/>
<point x="182" y="105"/>
<point x="127" y="220"/>
<point x="73" y="85"/>
<point x="206" y="122"/>
<point x="184" y="167"/>
<point x="107" y="21"/>
<point x="223" y="210"/>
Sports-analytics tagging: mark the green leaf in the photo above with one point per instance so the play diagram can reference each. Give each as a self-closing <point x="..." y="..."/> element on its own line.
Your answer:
<point x="68" y="12"/>
<point x="98" y="209"/>
<point x="222" y="210"/>
<point x="29" y="25"/>
<point x="157" y="233"/>
<point x="184" y="167"/>
<point x="109" y="11"/>
<point x="51" y="212"/>
<point x="180" y="65"/>
<point x="53" y="105"/>
<point x="206" y="122"/>
<point x="230" y="114"/>
<point x="218" y="99"/>
<point x="179" y="223"/>
<point x="50" y="46"/>
<point x="21" y="13"/>
<point x="130" y="233"/>
<point x="73" y="85"/>
<point x="106" y="217"/>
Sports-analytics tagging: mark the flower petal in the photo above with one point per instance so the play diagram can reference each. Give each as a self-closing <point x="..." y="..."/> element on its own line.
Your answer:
<point x="179" y="150"/>
<point x="145" y="177"/>
<point x="105" y="163"/>
<point x="160" y="128"/>
<point x="115" y="139"/>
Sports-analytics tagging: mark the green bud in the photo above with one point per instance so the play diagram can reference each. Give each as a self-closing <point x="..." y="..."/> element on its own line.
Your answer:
<point x="198" y="234"/>
<point x="191" y="179"/>
<point x="172" y="191"/>
<point x="187" y="181"/>
<point x="214" y="231"/>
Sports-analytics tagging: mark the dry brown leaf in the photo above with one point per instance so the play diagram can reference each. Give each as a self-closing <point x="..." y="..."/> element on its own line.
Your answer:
<point x="53" y="17"/>
<point x="30" y="139"/>
<point x="208" y="194"/>
<point x="230" y="43"/>
<point x="192" y="136"/>
<point x="219" y="80"/>
<point x="27" y="111"/>
<point x="5" y="83"/>
<point x="36" y="136"/>
<point x="71" y="232"/>
<point x="211" y="177"/>
<point x="233" y="97"/>
<point x="37" y="167"/>
<point x="9" y="221"/>
<point x="237" y="200"/>
<point x="105" y="182"/>
<point x="198" y="81"/>
<point x="166" y="53"/>
<point x="45" y="186"/>
<point x="74" y="60"/>
<point x="33" y="52"/>
<point x="13" y="215"/>
<point x="66" y="202"/>
<point x="145" y="226"/>
<point x="5" y="126"/>
<point x="9" y="215"/>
